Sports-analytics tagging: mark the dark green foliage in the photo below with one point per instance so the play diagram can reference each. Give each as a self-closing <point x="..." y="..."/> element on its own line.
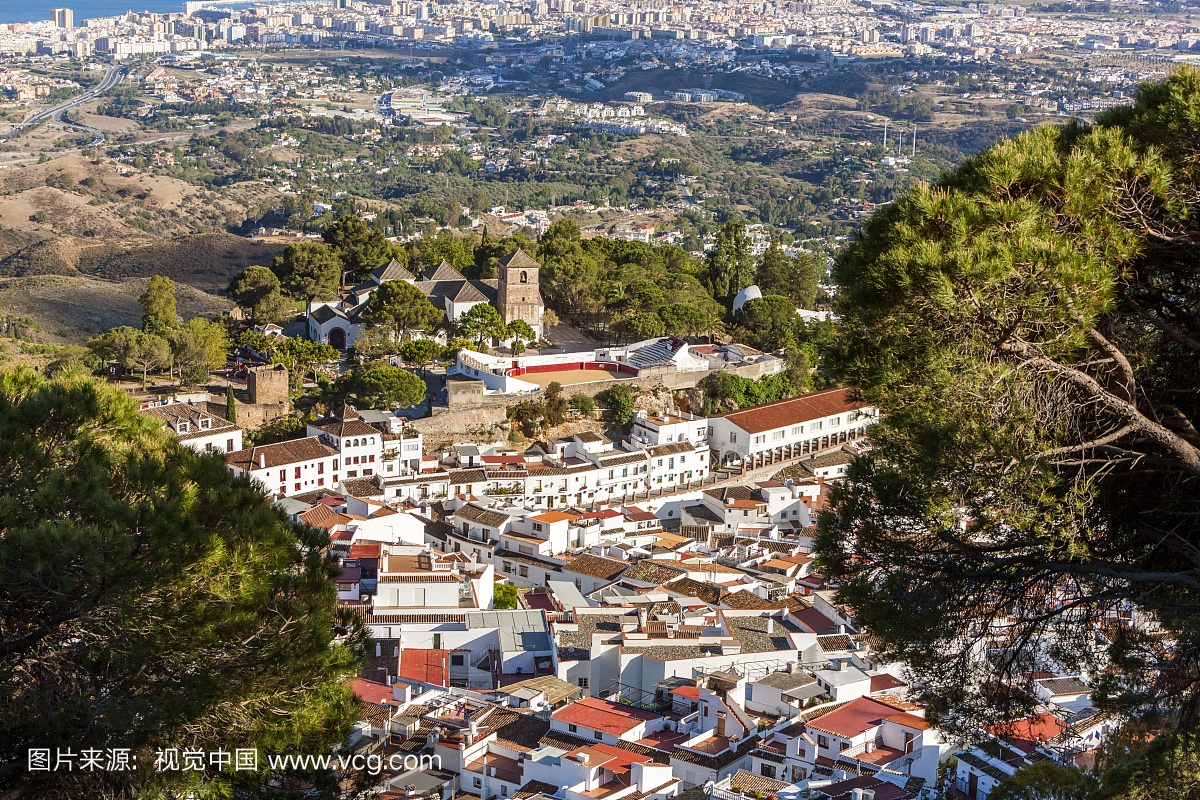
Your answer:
<point x="132" y="350"/>
<point x="604" y="283"/>
<point x="198" y="347"/>
<point x="309" y="270"/>
<point x="555" y="404"/>
<point x="258" y="290"/>
<point x="445" y="246"/>
<point x="299" y="355"/>
<point x="149" y="599"/>
<point x="480" y="324"/>
<point x="402" y="308"/>
<point x="730" y="264"/>
<point x="158" y="307"/>
<point x="230" y="405"/>
<point x="724" y="391"/>
<point x="1142" y="763"/>
<point x="683" y="319"/>
<point x="286" y="427"/>
<point x="360" y="247"/>
<point x="380" y="385"/>
<point x="644" y="326"/>
<point x="794" y="277"/>
<point x="548" y="410"/>
<point x="769" y="321"/>
<point x="1046" y="780"/>
<point x="1030" y="328"/>
<point x="584" y="404"/>
<point x="420" y="351"/>
<point x="619" y="402"/>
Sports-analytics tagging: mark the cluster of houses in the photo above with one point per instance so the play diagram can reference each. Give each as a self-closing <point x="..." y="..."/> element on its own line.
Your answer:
<point x="670" y="633"/>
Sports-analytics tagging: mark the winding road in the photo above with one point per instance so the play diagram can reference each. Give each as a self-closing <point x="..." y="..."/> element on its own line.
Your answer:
<point x="111" y="78"/>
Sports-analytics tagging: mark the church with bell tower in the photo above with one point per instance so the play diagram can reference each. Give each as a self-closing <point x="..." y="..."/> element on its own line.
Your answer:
<point x="518" y="295"/>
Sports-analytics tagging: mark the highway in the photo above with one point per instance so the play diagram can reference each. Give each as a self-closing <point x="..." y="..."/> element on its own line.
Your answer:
<point x="112" y="78"/>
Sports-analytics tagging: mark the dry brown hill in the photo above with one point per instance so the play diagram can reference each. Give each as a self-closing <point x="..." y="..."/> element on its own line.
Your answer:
<point x="75" y="307"/>
<point x="103" y="199"/>
<point x="204" y="261"/>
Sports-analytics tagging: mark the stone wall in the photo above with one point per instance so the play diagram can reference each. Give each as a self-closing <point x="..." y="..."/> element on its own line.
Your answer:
<point x="460" y="422"/>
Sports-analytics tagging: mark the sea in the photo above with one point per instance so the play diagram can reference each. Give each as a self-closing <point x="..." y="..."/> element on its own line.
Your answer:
<point x="34" y="10"/>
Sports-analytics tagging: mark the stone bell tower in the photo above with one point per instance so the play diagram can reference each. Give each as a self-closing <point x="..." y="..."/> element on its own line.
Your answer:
<point x="518" y="294"/>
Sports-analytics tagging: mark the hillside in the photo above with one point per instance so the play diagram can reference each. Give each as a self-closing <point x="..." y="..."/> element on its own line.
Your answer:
<point x="75" y="307"/>
<point x="79" y="237"/>
<point x="205" y="261"/>
<point x="75" y="196"/>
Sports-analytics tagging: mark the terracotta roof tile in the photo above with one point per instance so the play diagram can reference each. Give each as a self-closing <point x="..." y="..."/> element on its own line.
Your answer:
<point x="596" y="566"/>
<point x="280" y="454"/>
<point x="794" y="411"/>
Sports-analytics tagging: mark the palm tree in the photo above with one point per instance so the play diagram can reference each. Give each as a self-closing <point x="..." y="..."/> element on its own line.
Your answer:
<point x="713" y="324"/>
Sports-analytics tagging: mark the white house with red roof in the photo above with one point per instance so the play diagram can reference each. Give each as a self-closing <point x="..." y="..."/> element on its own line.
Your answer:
<point x="196" y="428"/>
<point x="788" y="428"/>
<point x="597" y="771"/>
<point x="605" y="721"/>
<point x="863" y="736"/>
<point x="284" y="469"/>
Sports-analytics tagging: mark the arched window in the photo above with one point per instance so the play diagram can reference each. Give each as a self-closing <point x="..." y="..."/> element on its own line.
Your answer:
<point x="354" y="442"/>
<point x="371" y="440"/>
<point x="524" y="276"/>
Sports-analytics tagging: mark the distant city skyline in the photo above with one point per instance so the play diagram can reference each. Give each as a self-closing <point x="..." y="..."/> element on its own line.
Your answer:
<point x="41" y="11"/>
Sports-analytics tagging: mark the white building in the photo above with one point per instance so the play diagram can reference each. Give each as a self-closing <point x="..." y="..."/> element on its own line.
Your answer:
<point x="197" y="428"/>
<point x="288" y="468"/>
<point x="792" y="427"/>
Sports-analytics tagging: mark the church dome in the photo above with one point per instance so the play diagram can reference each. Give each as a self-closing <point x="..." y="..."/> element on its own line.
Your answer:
<point x="744" y="296"/>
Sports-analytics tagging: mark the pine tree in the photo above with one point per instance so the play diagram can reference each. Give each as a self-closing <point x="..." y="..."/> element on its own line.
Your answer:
<point x="158" y="307"/>
<point x="1030" y="328"/>
<point x="149" y="597"/>
<point x="230" y="405"/>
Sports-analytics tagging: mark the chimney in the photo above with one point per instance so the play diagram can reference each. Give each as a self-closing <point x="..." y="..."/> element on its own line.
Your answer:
<point x="262" y="460"/>
<point x="378" y="649"/>
<point x="843" y="664"/>
<point x="770" y="625"/>
<point x="791" y="667"/>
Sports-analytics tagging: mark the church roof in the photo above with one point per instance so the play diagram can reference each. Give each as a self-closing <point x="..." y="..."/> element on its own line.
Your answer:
<point x="469" y="294"/>
<point x="439" y="292"/>
<point x="444" y="272"/>
<point x="325" y="313"/>
<point x="392" y="271"/>
<point x="520" y="260"/>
